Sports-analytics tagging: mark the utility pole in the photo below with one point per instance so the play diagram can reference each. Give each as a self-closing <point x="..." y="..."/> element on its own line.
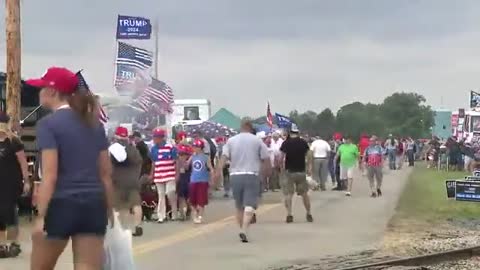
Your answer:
<point x="13" y="61"/>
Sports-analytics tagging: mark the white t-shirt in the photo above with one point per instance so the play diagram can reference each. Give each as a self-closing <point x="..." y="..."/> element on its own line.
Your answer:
<point x="320" y="149"/>
<point x="276" y="145"/>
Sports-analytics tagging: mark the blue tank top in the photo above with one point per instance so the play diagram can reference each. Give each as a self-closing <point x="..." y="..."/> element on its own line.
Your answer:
<point x="199" y="168"/>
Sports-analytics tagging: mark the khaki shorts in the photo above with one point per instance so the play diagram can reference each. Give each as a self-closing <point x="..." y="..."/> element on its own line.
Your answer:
<point x="126" y="199"/>
<point x="295" y="182"/>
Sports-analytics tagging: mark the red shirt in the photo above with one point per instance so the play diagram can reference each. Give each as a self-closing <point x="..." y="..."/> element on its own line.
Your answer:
<point x="363" y="145"/>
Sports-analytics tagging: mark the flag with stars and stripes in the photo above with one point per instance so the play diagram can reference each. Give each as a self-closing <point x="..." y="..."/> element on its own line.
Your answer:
<point x="134" y="57"/>
<point x="82" y="84"/>
<point x="269" y="116"/>
<point x="157" y="96"/>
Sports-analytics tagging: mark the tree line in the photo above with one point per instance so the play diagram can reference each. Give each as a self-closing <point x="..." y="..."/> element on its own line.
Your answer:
<point x="401" y="114"/>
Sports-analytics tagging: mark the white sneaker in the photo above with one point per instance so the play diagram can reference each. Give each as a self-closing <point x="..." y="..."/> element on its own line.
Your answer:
<point x="348" y="194"/>
<point x="197" y="220"/>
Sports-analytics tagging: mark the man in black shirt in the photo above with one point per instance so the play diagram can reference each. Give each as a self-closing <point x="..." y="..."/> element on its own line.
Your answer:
<point x="295" y="151"/>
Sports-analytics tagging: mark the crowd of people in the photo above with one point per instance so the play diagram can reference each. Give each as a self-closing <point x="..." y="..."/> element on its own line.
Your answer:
<point x="452" y="154"/>
<point x="86" y="177"/>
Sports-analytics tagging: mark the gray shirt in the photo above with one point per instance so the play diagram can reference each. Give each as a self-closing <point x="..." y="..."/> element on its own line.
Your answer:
<point x="245" y="152"/>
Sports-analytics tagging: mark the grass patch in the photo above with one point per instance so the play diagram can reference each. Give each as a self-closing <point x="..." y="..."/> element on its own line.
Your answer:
<point x="424" y="199"/>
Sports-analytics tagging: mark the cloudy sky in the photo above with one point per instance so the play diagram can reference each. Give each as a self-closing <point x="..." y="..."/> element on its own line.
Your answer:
<point x="302" y="54"/>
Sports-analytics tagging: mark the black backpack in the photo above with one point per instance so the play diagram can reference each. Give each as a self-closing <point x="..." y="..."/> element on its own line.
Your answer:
<point x="213" y="148"/>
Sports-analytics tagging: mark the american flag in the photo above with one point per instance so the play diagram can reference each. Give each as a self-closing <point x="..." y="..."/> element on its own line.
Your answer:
<point x="82" y="84"/>
<point x="269" y="115"/>
<point x="158" y="95"/>
<point x="129" y="55"/>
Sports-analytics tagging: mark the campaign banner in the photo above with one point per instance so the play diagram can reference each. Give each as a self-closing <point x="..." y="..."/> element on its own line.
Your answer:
<point x="472" y="178"/>
<point x="474" y="99"/>
<point x="450" y="185"/>
<point x="129" y="27"/>
<point x="283" y="121"/>
<point x="130" y="81"/>
<point x="467" y="191"/>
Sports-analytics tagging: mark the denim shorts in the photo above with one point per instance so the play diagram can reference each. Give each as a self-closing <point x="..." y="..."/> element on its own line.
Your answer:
<point x="79" y="214"/>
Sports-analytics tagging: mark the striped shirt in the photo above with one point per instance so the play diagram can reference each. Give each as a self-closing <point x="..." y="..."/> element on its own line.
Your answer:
<point x="163" y="157"/>
<point x="374" y="155"/>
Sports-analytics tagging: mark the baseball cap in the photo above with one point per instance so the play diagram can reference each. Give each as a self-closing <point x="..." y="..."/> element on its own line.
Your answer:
<point x="294" y="128"/>
<point x="261" y="135"/>
<point x="198" y="143"/>
<point x="58" y="78"/>
<point x="137" y="134"/>
<point x="159" y="132"/>
<point x="121" y="132"/>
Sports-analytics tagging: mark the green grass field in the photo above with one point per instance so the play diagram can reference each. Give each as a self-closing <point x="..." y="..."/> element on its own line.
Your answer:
<point x="424" y="199"/>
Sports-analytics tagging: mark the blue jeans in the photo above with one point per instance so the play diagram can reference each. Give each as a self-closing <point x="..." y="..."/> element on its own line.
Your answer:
<point x="392" y="156"/>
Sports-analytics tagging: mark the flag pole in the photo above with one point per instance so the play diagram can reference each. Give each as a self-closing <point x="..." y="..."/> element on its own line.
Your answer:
<point x="156" y="48"/>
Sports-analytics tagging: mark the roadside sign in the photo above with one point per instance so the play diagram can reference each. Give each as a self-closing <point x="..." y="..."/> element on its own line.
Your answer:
<point x="467" y="191"/>
<point x="450" y="184"/>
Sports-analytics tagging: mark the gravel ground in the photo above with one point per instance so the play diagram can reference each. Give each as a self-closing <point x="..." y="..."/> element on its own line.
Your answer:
<point x="455" y="235"/>
<point x="406" y="244"/>
<point x="471" y="264"/>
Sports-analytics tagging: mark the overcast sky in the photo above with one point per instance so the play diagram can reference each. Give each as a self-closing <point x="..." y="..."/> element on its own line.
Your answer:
<point x="301" y="54"/>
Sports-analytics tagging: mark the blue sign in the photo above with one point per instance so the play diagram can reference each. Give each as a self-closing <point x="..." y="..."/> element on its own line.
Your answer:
<point x="129" y="27"/>
<point x="467" y="191"/>
<point x="283" y="121"/>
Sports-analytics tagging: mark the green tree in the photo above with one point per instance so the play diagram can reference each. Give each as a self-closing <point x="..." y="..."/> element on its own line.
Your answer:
<point x="406" y="114"/>
<point x="325" y="124"/>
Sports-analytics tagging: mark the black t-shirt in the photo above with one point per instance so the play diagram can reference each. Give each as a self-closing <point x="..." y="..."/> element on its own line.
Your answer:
<point x="11" y="172"/>
<point x="295" y="150"/>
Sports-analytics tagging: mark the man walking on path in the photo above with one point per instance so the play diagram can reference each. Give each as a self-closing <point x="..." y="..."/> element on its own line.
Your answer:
<point x="321" y="153"/>
<point x="247" y="155"/>
<point x="391" y="146"/>
<point x="348" y="154"/>
<point x="411" y="149"/>
<point x="373" y="159"/>
<point x="164" y="157"/>
<point x="126" y="165"/>
<point x="295" y="150"/>
<point x="277" y="161"/>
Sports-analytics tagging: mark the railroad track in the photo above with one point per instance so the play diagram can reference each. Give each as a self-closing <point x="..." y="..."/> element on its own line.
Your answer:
<point x="418" y="262"/>
<point x="367" y="260"/>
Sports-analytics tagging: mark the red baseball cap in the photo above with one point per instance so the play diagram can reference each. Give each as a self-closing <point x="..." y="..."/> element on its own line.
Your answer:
<point x="158" y="132"/>
<point x="121" y="132"/>
<point x="184" y="149"/>
<point x="58" y="78"/>
<point x="181" y="135"/>
<point x="198" y="143"/>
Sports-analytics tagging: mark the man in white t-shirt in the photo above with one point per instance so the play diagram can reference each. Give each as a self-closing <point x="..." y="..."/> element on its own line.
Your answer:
<point x="275" y="145"/>
<point x="321" y="150"/>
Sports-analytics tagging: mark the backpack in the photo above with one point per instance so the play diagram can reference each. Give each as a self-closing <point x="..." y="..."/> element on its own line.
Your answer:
<point x="213" y="148"/>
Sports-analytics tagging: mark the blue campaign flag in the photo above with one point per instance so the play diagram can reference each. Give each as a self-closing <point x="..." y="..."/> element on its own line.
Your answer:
<point x="129" y="27"/>
<point x="283" y="121"/>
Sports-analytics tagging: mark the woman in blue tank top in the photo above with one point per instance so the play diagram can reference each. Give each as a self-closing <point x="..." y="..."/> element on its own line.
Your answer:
<point x="199" y="179"/>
